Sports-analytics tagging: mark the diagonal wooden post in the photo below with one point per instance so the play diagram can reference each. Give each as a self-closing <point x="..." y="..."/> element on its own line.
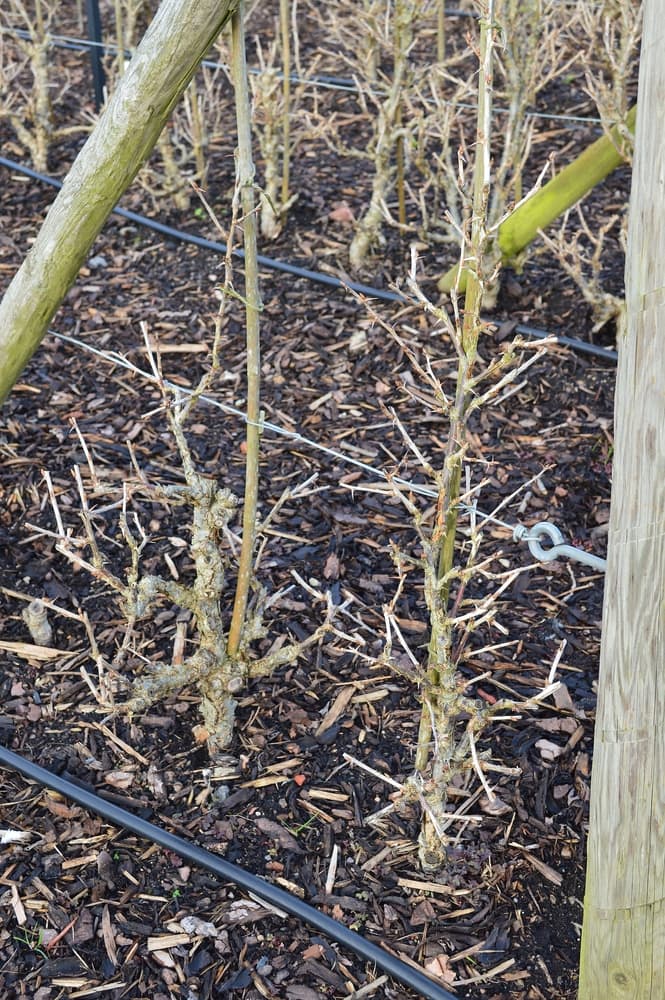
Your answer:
<point x="623" y="937"/>
<point x="121" y="141"/>
<point x="538" y="211"/>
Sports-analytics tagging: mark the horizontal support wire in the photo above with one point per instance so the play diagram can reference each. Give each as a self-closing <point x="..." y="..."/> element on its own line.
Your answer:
<point x="320" y="81"/>
<point x="296" y="437"/>
<point x="119" y="360"/>
<point x="519" y="533"/>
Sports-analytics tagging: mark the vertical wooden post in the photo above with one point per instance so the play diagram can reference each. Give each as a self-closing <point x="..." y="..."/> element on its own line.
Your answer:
<point x="179" y="36"/>
<point x="623" y="937"/>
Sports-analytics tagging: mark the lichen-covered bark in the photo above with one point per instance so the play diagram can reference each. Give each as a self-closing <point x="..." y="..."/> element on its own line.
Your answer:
<point x="216" y="674"/>
<point x="122" y="140"/>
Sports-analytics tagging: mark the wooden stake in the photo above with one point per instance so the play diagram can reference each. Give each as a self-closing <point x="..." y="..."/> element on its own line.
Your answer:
<point x="245" y="182"/>
<point x="179" y="36"/>
<point x="623" y="954"/>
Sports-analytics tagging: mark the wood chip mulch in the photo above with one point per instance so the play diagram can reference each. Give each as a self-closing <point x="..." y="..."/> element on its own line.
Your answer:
<point x="306" y="796"/>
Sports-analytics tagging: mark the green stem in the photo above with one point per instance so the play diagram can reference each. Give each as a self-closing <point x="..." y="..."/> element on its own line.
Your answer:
<point x="119" y="39"/>
<point x="441" y="32"/>
<point x="286" y="92"/>
<point x="399" y="154"/>
<point x="245" y="182"/>
<point x="198" y="134"/>
<point x="399" y="56"/>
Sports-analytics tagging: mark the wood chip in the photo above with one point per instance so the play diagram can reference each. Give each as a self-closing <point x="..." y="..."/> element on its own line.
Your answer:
<point x="119" y="779"/>
<point x="158" y="348"/>
<point x="17" y="906"/>
<point x="28" y="651"/>
<point x="95" y="990"/>
<point x="87" y="859"/>
<point x="129" y="750"/>
<point x="326" y="795"/>
<point x="549" y="873"/>
<point x="164" y="941"/>
<point x="108" y="936"/>
<point x="275" y="779"/>
<point x="336" y="709"/>
<point x="368" y="696"/>
<point x="484" y="976"/>
<point x="411" y="883"/>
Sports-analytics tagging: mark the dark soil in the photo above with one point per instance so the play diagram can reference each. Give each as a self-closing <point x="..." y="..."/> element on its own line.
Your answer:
<point x="88" y="909"/>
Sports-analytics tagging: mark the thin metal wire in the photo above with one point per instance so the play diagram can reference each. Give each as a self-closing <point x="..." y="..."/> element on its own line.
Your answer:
<point x="266" y="425"/>
<point x="319" y="82"/>
<point x="121" y="361"/>
<point x="518" y="532"/>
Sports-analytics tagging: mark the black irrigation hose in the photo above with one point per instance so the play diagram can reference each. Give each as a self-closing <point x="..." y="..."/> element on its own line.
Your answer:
<point x="200" y="241"/>
<point x="229" y="872"/>
<point x="302" y="272"/>
<point x="96" y="50"/>
<point x="577" y="345"/>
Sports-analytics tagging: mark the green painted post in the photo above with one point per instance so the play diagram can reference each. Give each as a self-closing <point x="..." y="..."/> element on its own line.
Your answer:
<point x="553" y="199"/>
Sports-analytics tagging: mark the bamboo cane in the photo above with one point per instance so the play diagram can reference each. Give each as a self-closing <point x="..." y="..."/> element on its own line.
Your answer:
<point x="245" y="182"/>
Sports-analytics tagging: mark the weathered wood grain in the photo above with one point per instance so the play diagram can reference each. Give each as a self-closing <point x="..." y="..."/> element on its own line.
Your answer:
<point x="623" y="939"/>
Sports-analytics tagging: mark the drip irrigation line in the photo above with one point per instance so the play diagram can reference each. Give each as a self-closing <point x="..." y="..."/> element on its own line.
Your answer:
<point x="578" y="345"/>
<point x="302" y="272"/>
<point x="229" y="872"/>
<point x="206" y="244"/>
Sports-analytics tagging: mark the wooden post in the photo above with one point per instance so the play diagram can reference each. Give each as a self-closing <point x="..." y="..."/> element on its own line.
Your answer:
<point x="178" y="38"/>
<point x="623" y="937"/>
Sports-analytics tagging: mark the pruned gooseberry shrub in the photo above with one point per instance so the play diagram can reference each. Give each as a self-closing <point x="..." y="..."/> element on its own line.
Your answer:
<point x="205" y="511"/>
<point x="30" y="97"/>
<point x="461" y="586"/>
<point x="221" y="661"/>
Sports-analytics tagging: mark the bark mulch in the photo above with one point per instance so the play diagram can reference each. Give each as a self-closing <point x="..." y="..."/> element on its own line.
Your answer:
<point x="306" y="795"/>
